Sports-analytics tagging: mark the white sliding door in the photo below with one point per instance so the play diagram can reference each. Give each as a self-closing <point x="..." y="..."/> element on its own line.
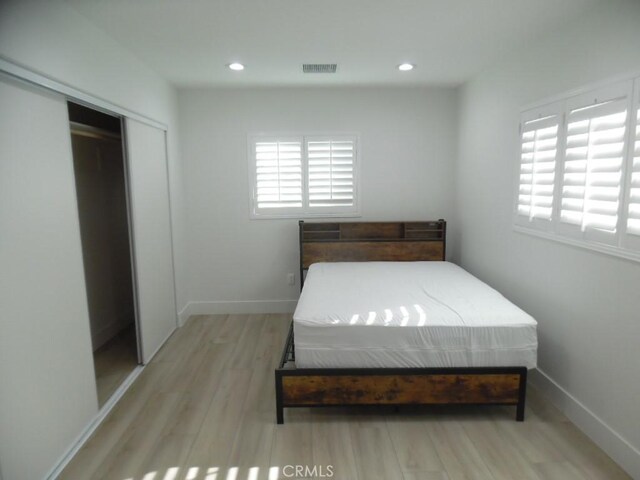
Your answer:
<point x="47" y="383"/>
<point x="147" y="159"/>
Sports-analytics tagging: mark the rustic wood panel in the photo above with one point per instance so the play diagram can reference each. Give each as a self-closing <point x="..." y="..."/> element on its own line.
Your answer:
<point x="320" y="231"/>
<point x="318" y="227"/>
<point x="423" y="234"/>
<point x="371" y="230"/>
<point x="310" y="236"/>
<point x="399" y="389"/>
<point x="396" y="251"/>
<point x="426" y="230"/>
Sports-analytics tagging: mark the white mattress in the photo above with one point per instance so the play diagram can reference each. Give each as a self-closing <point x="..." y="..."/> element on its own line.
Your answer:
<point x="407" y="314"/>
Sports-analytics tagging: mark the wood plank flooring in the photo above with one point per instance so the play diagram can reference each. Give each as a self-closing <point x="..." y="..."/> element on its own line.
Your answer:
<point x="204" y="408"/>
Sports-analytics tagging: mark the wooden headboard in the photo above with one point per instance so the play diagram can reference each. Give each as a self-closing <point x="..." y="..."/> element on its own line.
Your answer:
<point x="371" y="241"/>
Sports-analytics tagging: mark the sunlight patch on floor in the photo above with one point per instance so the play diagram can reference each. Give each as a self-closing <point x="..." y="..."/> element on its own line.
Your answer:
<point x="210" y="473"/>
<point x="171" y="474"/>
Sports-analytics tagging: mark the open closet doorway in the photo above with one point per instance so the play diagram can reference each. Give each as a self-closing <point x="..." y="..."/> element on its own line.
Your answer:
<point x="103" y="204"/>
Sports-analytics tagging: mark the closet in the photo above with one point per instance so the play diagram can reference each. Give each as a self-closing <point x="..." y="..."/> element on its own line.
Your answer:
<point x="54" y="315"/>
<point x="103" y="212"/>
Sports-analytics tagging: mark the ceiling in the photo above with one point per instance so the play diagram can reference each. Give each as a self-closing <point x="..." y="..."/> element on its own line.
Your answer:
<point x="189" y="42"/>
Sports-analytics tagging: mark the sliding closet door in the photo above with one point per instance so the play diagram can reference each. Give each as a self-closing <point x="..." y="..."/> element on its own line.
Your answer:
<point x="147" y="158"/>
<point x="47" y="385"/>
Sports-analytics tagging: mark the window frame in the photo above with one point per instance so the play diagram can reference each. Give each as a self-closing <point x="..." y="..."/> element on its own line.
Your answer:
<point x="305" y="211"/>
<point x="631" y="241"/>
<point x="607" y="93"/>
<point x="622" y="244"/>
<point x="547" y="110"/>
<point x="272" y="212"/>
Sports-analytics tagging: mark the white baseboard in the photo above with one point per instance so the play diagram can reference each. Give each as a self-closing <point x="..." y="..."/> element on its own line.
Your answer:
<point x="619" y="449"/>
<point x="93" y="424"/>
<point x="183" y="315"/>
<point x="239" y="307"/>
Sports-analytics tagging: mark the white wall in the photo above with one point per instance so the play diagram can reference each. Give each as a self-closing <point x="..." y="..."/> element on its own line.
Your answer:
<point x="52" y="39"/>
<point x="407" y="154"/>
<point x="587" y="304"/>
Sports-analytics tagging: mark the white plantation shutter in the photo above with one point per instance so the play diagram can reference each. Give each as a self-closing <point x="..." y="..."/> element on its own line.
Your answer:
<point x="633" y="219"/>
<point x="579" y="170"/>
<point x="596" y="135"/>
<point x="631" y="214"/>
<point x="278" y="174"/>
<point x="538" y="159"/>
<point x="593" y="166"/>
<point x="331" y="172"/>
<point x="303" y="176"/>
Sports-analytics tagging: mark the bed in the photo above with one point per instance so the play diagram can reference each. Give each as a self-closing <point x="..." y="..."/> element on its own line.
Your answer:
<point x="383" y="320"/>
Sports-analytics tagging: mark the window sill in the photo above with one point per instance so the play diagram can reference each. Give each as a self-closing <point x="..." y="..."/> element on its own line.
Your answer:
<point x="301" y="216"/>
<point x="596" y="247"/>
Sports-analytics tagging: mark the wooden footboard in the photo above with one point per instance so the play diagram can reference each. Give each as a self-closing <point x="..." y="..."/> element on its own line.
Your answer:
<point x="320" y="387"/>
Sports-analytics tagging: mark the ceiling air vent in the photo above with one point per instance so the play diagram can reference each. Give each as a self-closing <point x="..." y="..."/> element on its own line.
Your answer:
<point x="319" y="68"/>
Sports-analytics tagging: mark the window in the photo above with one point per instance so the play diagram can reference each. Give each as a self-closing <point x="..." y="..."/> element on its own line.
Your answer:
<point x="633" y="220"/>
<point x="579" y="177"/>
<point x="278" y="177"/>
<point x="631" y="240"/>
<point x="303" y="176"/>
<point x="538" y="159"/>
<point x="593" y="162"/>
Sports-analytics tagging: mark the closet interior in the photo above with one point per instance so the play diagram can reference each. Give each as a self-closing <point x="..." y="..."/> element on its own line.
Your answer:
<point x="103" y="205"/>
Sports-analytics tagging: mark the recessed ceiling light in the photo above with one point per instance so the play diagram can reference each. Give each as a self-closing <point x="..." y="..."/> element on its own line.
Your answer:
<point x="405" y="67"/>
<point x="236" y="66"/>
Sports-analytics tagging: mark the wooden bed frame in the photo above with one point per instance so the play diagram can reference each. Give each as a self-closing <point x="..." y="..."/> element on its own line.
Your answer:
<point x="322" y="387"/>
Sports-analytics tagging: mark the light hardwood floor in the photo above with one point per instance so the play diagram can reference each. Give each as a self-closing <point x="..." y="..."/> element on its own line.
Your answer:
<point x="204" y="408"/>
<point x="113" y="362"/>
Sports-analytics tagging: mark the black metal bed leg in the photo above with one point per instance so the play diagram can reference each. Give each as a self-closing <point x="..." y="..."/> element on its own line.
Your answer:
<point x="280" y="415"/>
<point x="279" y="407"/>
<point x="522" y="395"/>
<point x="520" y="412"/>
